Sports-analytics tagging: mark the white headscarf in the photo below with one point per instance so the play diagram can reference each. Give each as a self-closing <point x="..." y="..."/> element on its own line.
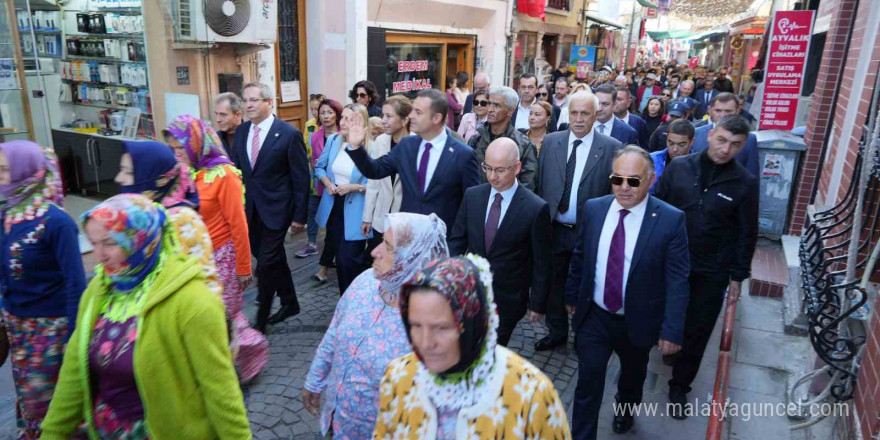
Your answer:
<point x="418" y="240"/>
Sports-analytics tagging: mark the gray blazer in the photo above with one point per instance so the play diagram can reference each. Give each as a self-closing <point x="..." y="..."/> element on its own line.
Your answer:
<point x="594" y="181"/>
<point x="382" y="197"/>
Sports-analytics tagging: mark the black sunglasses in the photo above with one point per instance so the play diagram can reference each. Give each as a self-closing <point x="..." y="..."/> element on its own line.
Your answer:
<point x="668" y="95"/>
<point x="634" y="182"/>
<point x="481" y="103"/>
<point x="363" y="95"/>
<point x="543" y="94"/>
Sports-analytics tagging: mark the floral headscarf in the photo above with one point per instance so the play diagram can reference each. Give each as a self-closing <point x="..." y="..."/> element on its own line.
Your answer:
<point x="159" y="176"/>
<point x="35" y="182"/>
<point x="202" y="144"/>
<point x="137" y="225"/>
<point x="418" y="239"/>
<point x="466" y="282"/>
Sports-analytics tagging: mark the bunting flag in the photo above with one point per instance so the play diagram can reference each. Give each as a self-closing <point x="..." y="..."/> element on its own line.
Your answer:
<point x="532" y="8"/>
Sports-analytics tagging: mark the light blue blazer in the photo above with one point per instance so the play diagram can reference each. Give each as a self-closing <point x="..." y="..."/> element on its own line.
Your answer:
<point x="354" y="202"/>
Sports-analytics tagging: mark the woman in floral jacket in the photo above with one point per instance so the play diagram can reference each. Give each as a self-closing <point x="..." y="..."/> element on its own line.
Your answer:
<point x="458" y="383"/>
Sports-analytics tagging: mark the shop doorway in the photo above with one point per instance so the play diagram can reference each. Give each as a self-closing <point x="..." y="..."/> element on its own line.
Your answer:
<point x="551" y="50"/>
<point x="291" y="87"/>
<point x="458" y="59"/>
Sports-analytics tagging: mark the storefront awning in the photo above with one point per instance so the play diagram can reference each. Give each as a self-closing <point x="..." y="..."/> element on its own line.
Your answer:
<point x="680" y="34"/>
<point x="647" y="4"/>
<point x="603" y="21"/>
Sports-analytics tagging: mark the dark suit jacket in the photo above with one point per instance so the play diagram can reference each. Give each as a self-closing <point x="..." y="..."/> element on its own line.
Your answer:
<point x="656" y="297"/>
<point x="551" y="123"/>
<point x="624" y="133"/>
<point x="703" y="99"/>
<point x="468" y="104"/>
<point x="520" y="251"/>
<point x="638" y="124"/>
<point x="748" y="156"/>
<point x="456" y="172"/>
<point x="278" y="184"/>
<point x="594" y="180"/>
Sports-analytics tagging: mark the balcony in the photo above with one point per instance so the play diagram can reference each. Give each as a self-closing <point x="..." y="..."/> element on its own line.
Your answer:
<point x="560" y="5"/>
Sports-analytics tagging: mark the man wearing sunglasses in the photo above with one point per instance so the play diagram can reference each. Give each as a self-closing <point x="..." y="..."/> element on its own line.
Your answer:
<point x="510" y="226"/>
<point x="627" y="289"/>
<point x="720" y="198"/>
<point x="575" y="164"/>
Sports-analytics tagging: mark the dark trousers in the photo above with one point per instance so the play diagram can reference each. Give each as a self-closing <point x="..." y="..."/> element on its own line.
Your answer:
<point x="328" y="255"/>
<point x="563" y="246"/>
<point x="350" y="255"/>
<point x="273" y="272"/>
<point x="510" y="313"/>
<point x="601" y="334"/>
<point x="704" y="306"/>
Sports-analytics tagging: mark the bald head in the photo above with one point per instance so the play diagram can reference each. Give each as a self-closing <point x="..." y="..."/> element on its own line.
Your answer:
<point x="481" y="82"/>
<point x="620" y="81"/>
<point x="502" y="163"/>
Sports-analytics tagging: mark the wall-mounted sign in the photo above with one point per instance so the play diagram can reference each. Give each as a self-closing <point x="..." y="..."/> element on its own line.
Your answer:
<point x="182" y="75"/>
<point x="786" y="60"/>
<point x="412" y="82"/>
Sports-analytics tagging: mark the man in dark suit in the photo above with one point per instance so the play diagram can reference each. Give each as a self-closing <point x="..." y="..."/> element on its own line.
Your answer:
<point x="574" y="166"/>
<point x="720" y="198"/>
<point x="434" y="168"/>
<point x="622" y="103"/>
<point x="628" y="289"/>
<point x="481" y="85"/>
<point x="704" y="96"/>
<point x="528" y="87"/>
<point x="606" y="123"/>
<point x="272" y="158"/>
<point x="725" y="104"/>
<point x="508" y="225"/>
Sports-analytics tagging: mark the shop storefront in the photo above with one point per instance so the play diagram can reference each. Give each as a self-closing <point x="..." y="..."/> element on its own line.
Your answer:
<point x="744" y="46"/>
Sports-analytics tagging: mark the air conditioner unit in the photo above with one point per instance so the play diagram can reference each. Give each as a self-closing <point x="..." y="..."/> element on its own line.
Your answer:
<point x="226" y="21"/>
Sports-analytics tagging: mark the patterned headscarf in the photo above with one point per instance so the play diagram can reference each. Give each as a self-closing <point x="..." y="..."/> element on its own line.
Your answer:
<point x="466" y="283"/>
<point x="202" y="144"/>
<point x="136" y="224"/>
<point x="418" y="239"/>
<point x="159" y="176"/>
<point x="35" y="182"/>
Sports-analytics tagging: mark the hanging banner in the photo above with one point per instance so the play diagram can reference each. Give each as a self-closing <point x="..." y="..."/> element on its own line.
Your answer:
<point x="584" y="58"/>
<point x="784" y="69"/>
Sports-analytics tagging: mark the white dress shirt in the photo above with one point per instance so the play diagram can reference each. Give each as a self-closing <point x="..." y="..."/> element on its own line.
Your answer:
<point x="506" y="197"/>
<point x="522" y="116"/>
<point x="437" y="146"/>
<point x="264" y="132"/>
<point x="608" y="126"/>
<point x="626" y="118"/>
<point x="632" y="224"/>
<point x="583" y="152"/>
<point x="342" y="167"/>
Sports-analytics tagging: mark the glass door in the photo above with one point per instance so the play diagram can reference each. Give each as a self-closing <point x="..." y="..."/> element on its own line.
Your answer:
<point x="39" y="24"/>
<point x="15" y="117"/>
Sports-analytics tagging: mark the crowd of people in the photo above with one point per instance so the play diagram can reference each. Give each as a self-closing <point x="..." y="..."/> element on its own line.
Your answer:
<point x="449" y="218"/>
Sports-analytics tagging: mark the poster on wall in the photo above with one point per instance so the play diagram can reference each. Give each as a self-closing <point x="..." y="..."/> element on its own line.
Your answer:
<point x="786" y="60"/>
<point x="584" y="57"/>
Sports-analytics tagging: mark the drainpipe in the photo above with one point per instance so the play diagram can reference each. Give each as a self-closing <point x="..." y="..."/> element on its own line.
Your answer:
<point x="508" y="32"/>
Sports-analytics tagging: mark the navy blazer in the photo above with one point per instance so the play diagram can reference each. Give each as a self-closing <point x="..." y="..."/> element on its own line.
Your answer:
<point x="703" y="98"/>
<point x="657" y="290"/>
<point x="456" y="172"/>
<point x="278" y="184"/>
<point x="638" y="124"/>
<point x="748" y="156"/>
<point x="624" y="133"/>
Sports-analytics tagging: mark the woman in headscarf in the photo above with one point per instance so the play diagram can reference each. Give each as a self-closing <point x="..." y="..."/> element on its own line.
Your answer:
<point x="366" y="332"/>
<point x="149" y="168"/>
<point x="42" y="274"/>
<point x="458" y="383"/>
<point x="149" y="357"/>
<point x="220" y="205"/>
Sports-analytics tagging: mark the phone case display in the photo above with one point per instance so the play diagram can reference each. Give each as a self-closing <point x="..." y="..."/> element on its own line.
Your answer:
<point x="46" y="26"/>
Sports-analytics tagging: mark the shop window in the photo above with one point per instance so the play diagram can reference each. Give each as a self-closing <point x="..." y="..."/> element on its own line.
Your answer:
<point x="562" y="5"/>
<point x="412" y="67"/>
<point x="524" y="56"/>
<point x="288" y="40"/>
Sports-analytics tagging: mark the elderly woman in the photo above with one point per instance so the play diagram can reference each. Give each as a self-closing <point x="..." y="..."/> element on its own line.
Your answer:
<point x="149" y="357"/>
<point x="220" y="206"/>
<point x="42" y="274"/>
<point x="470" y="122"/>
<point x="458" y="383"/>
<point x="342" y="205"/>
<point x="366" y="332"/>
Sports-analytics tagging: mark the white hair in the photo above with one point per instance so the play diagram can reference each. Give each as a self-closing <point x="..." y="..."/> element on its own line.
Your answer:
<point x="576" y="96"/>
<point x="511" y="98"/>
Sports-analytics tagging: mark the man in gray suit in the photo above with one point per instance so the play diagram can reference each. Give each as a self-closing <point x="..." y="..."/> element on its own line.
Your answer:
<point x="573" y="167"/>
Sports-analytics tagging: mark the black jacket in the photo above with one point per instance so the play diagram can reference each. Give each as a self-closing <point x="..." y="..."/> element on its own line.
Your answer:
<point x="722" y="220"/>
<point x="658" y="138"/>
<point x="520" y="255"/>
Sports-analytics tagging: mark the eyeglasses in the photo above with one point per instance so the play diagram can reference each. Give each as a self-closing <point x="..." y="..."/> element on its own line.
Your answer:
<point x="500" y="170"/>
<point x="543" y="94"/>
<point x="633" y="182"/>
<point x="667" y="95"/>
<point x="363" y="95"/>
<point x="481" y="103"/>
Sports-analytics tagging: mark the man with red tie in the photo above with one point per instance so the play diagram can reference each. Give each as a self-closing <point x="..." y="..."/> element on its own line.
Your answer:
<point x="628" y="289"/>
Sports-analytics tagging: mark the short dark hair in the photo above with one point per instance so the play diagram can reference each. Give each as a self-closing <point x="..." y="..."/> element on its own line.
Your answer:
<point x="635" y="149"/>
<point x="607" y="89"/>
<point x="563" y="79"/>
<point x="624" y="90"/>
<point x="682" y="127"/>
<point x="735" y="124"/>
<point x="675" y="75"/>
<point x="528" y="75"/>
<point x="439" y="102"/>
<point x="450" y="80"/>
<point x="722" y="98"/>
<point x="369" y="87"/>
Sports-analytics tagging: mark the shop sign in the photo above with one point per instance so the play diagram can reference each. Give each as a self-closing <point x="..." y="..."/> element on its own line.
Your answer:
<point x="584" y="57"/>
<point x="787" y="58"/>
<point x="411" y="84"/>
<point x="651" y="13"/>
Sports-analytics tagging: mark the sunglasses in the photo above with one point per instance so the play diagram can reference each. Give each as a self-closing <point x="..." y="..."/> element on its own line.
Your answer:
<point x="543" y="94"/>
<point x="481" y="103"/>
<point x="668" y="95"/>
<point x="633" y="182"/>
<point x="363" y="95"/>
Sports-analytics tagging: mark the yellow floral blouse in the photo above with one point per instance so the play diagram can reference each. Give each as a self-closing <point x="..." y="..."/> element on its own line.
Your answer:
<point x="196" y="242"/>
<point x="518" y="402"/>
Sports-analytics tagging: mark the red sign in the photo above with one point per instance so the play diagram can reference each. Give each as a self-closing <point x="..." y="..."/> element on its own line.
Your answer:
<point x="651" y="13"/>
<point x="786" y="60"/>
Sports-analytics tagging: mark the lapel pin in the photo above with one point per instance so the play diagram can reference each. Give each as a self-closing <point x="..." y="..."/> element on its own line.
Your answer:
<point x="450" y="150"/>
<point x="653" y="214"/>
<point x="276" y="134"/>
